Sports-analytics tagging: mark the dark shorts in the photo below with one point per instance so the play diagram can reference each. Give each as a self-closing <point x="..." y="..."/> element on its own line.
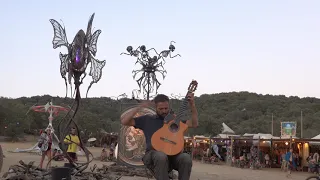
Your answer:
<point x="73" y="156"/>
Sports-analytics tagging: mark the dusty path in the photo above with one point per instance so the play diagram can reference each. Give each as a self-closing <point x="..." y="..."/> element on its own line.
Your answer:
<point x="200" y="171"/>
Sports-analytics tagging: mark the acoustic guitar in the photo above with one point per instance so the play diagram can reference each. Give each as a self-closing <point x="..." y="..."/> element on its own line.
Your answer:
<point x="170" y="138"/>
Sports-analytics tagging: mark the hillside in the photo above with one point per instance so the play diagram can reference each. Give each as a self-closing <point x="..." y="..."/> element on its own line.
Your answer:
<point x="244" y="112"/>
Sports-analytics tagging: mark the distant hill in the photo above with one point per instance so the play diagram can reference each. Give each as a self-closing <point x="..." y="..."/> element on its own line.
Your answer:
<point x="243" y="112"/>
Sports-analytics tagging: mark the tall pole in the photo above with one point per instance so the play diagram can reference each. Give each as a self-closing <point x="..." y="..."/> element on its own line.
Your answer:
<point x="272" y="124"/>
<point x="301" y="124"/>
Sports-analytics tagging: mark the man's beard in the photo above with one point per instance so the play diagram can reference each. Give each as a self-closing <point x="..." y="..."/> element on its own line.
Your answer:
<point x="162" y="116"/>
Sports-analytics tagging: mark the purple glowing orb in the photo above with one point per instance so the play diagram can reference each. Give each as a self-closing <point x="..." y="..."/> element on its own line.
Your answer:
<point x="78" y="56"/>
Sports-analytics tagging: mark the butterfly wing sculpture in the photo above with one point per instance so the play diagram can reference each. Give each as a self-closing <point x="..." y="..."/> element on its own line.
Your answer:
<point x="81" y="53"/>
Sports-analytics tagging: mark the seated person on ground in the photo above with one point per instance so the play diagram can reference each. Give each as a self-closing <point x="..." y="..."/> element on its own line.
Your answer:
<point x="57" y="155"/>
<point x="104" y="154"/>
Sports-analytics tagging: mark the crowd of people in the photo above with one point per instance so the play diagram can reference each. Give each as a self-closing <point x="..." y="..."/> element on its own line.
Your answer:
<point x="290" y="160"/>
<point x="72" y="142"/>
<point x="313" y="162"/>
<point x="45" y="144"/>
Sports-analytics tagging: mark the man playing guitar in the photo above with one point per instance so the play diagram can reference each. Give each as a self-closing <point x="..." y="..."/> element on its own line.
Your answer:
<point x="159" y="162"/>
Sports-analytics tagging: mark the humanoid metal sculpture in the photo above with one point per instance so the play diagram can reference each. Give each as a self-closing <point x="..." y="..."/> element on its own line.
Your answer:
<point x="81" y="53"/>
<point x="53" y="110"/>
<point x="148" y="81"/>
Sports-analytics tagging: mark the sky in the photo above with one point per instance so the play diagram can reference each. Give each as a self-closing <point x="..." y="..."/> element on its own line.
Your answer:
<point x="267" y="47"/>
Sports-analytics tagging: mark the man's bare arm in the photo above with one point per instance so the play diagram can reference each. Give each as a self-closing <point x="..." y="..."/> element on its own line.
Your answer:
<point x="193" y="123"/>
<point x="127" y="119"/>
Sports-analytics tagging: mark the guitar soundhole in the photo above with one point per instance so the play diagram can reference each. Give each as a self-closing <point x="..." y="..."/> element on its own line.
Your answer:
<point x="174" y="127"/>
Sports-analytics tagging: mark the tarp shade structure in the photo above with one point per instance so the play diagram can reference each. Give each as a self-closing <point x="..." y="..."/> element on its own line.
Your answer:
<point x="262" y="136"/>
<point x="313" y="142"/>
<point x="226" y="129"/>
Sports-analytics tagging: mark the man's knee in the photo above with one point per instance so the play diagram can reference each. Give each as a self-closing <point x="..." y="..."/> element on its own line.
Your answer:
<point x="159" y="157"/>
<point x="185" y="159"/>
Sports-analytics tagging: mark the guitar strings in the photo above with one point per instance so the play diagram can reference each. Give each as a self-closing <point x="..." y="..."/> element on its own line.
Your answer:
<point x="182" y="109"/>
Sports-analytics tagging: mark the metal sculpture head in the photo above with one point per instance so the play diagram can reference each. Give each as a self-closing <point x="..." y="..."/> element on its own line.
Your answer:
<point x="148" y="81"/>
<point x="81" y="53"/>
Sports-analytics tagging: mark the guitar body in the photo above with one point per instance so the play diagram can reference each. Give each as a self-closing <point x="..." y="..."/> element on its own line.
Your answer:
<point x="170" y="138"/>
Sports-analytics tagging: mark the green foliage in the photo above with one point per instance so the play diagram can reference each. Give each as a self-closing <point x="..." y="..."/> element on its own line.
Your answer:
<point x="244" y="112"/>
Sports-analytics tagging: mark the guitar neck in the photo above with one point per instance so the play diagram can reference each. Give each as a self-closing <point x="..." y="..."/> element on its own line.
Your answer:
<point x="183" y="107"/>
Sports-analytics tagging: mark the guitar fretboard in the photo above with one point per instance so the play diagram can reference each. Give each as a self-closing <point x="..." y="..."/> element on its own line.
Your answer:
<point x="183" y="107"/>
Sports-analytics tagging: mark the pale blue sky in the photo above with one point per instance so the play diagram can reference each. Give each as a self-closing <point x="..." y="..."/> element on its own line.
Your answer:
<point x="268" y="47"/>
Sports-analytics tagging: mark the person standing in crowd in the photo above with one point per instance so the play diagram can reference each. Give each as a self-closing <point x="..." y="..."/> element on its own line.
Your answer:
<point x="73" y="141"/>
<point x="283" y="161"/>
<point x="290" y="161"/>
<point x="45" y="143"/>
<point x="111" y="152"/>
<point x="316" y="157"/>
<point x="267" y="160"/>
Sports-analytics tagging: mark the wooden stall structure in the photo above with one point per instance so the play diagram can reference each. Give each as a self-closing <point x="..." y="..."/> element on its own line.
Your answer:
<point x="188" y="145"/>
<point x="275" y="148"/>
<point x="200" y="145"/>
<point x="235" y="147"/>
<point x="203" y="146"/>
<point x="281" y="146"/>
<point x="314" y="145"/>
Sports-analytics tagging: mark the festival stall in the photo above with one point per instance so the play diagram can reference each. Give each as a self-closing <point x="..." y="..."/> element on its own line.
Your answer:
<point x="314" y="145"/>
<point x="188" y="144"/>
<point x="200" y="144"/>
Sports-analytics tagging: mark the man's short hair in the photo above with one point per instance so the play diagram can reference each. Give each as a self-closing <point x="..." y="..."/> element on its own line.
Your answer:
<point x="161" y="98"/>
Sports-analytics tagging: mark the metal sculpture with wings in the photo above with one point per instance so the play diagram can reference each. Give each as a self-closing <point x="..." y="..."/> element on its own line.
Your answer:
<point x="148" y="81"/>
<point x="81" y="53"/>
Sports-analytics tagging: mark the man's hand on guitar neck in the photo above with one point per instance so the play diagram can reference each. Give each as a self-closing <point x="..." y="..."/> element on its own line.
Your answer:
<point x="193" y="123"/>
<point x="191" y="99"/>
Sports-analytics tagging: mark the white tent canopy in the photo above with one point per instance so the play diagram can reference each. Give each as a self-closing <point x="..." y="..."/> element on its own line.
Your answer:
<point x="201" y="137"/>
<point x="226" y="129"/>
<point x="255" y="138"/>
<point x="316" y="137"/>
<point x="315" y="143"/>
<point x="227" y="135"/>
<point x="261" y="135"/>
<point x="226" y="132"/>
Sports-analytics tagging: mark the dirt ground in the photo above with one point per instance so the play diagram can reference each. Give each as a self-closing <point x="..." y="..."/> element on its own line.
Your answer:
<point x="199" y="172"/>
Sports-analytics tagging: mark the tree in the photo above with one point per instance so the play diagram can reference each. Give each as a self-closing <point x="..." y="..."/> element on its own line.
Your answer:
<point x="244" y="112"/>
